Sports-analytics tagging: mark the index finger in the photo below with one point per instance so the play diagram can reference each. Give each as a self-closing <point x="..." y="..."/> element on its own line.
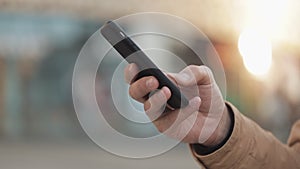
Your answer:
<point x="130" y="71"/>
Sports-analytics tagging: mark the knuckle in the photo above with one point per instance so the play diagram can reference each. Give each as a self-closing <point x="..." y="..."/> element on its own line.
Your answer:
<point x="141" y="83"/>
<point x="206" y="69"/>
<point x="193" y="68"/>
<point x="207" y="72"/>
<point x="132" y="91"/>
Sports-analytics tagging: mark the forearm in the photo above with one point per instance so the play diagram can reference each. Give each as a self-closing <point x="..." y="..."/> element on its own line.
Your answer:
<point x="249" y="146"/>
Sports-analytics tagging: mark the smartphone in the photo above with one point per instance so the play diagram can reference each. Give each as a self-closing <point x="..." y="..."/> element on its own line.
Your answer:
<point x="129" y="50"/>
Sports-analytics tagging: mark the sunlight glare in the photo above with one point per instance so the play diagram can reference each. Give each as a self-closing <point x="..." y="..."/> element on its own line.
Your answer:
<point x="256" y="50"/>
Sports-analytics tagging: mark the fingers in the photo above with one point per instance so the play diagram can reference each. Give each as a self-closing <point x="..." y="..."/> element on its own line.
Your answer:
<point x="194" y="75"/>
<point x="130" y="71"/>
<point x="140" y="88"/>
<point x="174" y="118"/>
<point x="155" y="105"/>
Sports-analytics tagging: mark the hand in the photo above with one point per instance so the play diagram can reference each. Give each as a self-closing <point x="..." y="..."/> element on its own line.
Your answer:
<point x="205" y="120"/>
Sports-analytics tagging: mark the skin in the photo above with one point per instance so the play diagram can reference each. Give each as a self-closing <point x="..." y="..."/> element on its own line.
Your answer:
<point x="198" y="85"/>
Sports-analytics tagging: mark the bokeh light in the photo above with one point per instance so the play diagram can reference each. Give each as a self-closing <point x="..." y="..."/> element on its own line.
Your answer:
<point x="256" y="50"/>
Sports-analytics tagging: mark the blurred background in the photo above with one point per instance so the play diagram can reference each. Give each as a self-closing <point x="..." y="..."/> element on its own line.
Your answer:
<point x="257" y="40"/>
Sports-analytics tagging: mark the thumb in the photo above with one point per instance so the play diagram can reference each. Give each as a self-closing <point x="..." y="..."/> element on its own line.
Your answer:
<point x="193" y="75"/>
<point x="182" y="78"/>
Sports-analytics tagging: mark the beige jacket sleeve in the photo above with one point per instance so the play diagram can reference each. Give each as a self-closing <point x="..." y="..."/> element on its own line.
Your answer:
<point x="249" y="147"/>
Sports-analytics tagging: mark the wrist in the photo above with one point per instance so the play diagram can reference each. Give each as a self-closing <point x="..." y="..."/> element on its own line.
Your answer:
<point x="217" y="142"/>
<point x="222" y="130"/>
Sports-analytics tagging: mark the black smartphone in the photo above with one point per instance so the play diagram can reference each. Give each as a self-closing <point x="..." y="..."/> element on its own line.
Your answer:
<point x="128" y="49"/>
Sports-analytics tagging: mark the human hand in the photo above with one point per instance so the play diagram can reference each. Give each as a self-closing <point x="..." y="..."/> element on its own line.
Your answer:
<point x="205" y="120"/>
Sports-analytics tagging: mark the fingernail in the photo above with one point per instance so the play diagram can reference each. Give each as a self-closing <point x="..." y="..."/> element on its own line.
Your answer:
<point x="149" y="83"/>
<point x="195" y="102"/>
<point x="166" y="90"/>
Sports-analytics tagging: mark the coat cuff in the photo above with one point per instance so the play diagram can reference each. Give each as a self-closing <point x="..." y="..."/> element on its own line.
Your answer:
<point x="204" y="150"/>
<point x="219" y="156"/>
